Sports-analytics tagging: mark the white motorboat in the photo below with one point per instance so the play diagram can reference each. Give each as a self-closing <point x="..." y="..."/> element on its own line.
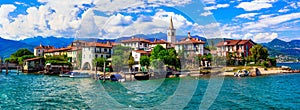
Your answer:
<point x="79" y="75"/>
<point x="68" y="74"/>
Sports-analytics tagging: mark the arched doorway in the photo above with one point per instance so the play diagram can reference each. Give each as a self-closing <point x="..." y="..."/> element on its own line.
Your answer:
<point x="86" y="66"/>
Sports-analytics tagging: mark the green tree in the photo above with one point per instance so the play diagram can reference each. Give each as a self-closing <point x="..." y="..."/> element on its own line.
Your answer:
<point x="168" y="56"/>
<point x="18" y="58"/>
<point x="145" y="61"/>
<point x="157" y="52"/>
<point x="21" y="59"/>
<point x="130" y="61"/>
<point x="99" y="62"/>
<point x="119" y="54"/>
<point x="258" y="52"/>
<point x="21" y="52"/>
<point x="58" y="59"/>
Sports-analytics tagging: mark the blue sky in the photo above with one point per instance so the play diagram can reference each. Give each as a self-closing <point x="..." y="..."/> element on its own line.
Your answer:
<point x="260" y="20"/>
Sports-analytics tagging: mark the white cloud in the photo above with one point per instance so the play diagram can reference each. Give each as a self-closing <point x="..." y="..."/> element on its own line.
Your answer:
<point x="248" y="36"/>
<point x="222" y="5"/>
<point x="263" y="23"/>
<point x="207" y="13"/>
<point x="214" y="7"/>
<point x="4" y="11"/>
<point x="265" y="16"/>
<point x="255" y="5"/>
<point x="283" y="10"/>
<point x="247" y="15"/>
<point x="264" y="37"/>
<point x="118" y="5"/>
<point x="209" y="1"/>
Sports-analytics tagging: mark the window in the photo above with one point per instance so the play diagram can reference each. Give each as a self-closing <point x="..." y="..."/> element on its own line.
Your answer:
<point x="96" y="55"/>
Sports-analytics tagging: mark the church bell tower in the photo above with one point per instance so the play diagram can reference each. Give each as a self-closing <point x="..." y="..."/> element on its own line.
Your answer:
<point x="171" y="33"/>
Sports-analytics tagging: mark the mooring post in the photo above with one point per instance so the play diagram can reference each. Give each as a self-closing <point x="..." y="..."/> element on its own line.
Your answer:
<point x="96" y="77"/>
<point x="17" y="69"/>
<point x="104" y="72"/>
<point x="6" y="68"/>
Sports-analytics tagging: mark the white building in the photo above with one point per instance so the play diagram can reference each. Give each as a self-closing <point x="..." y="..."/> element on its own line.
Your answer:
<point x="94" y="50"/>
<point x="190" y="45"/>
<point x="136" y="54"/>
<point x="40" y="50"/>
<point x="136" y="43"/>
<point x="163" y="43"/>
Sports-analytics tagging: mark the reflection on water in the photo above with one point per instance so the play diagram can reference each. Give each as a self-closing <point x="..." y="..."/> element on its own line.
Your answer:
<point x="31" y="91"/>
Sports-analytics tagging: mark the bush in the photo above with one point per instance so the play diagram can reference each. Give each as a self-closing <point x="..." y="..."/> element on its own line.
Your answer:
<point x="265" y="64"/>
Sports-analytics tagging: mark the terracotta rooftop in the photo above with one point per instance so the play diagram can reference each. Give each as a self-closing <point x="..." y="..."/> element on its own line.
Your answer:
<point x="233" y="42"/>
<point x="32" y="59"/>
<point x="58" y="50"/>
<point x="190" y="40"/>
<point x="44" y="47"/>
<point x="159" y="42"/>
<point x="142" y="51"/>
<point x="135" y="40"/>
<point x="97" y="44"/>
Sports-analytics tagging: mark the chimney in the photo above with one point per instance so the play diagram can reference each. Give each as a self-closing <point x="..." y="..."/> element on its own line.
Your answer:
<point x="189" y="35"/>
<point x="197" y="39"/>
<point x="132" y="37"/>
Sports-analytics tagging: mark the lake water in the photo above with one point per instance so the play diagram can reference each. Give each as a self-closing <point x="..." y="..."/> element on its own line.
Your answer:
<point x="33" y="91"/>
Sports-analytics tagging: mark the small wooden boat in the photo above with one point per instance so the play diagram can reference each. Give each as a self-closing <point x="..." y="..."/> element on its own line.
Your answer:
<point x="142" y="76"/>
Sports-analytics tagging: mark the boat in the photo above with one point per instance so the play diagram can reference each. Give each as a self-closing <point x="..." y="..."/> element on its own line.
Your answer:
<point x="242" y="73"/>
<point x="142" y="76"/>
<point x="79" y="75"/>
<point x="117" y="77"/>
<point x="65" y="74"/>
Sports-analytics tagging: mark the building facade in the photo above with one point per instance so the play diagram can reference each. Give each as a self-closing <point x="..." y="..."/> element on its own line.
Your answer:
<point x="163" y="43"/>
<point x="136" y="43"/>
<point x="239" y="47"/>
<point x="57" y="51"/>
<point x="93" y="50"/>
<point x="190" y="45"/>
<point x="40" y="50"/>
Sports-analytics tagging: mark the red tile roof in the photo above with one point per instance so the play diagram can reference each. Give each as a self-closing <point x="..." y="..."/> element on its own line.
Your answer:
<point x="233" y="42"/>
<point x="142" y="51"/>
<point x="159" y="42"/>
<point x="44" y="47"/>
<point x="190" y="40"/>
<point x="32" y="59"/>
<point x="97" y="44"/>
<point x="58" y="50"/>
<point x="136" y="40"/>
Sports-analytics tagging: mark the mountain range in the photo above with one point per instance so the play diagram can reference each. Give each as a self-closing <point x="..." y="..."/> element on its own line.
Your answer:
<point x="275" y="47"/>
<point x="280" y="47"/>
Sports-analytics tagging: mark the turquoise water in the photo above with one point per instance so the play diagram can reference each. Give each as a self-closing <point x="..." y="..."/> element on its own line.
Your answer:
<point x="32" y="91"/>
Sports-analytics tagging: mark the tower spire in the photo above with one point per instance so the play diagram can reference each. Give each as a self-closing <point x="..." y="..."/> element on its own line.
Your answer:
<point x="171" y="23"/>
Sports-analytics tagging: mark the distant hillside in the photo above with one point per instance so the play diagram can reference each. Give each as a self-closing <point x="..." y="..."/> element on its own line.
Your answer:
<point x="8" y="47"/>
<point x="280" y="47"/>
<point x="53" y="41"/>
